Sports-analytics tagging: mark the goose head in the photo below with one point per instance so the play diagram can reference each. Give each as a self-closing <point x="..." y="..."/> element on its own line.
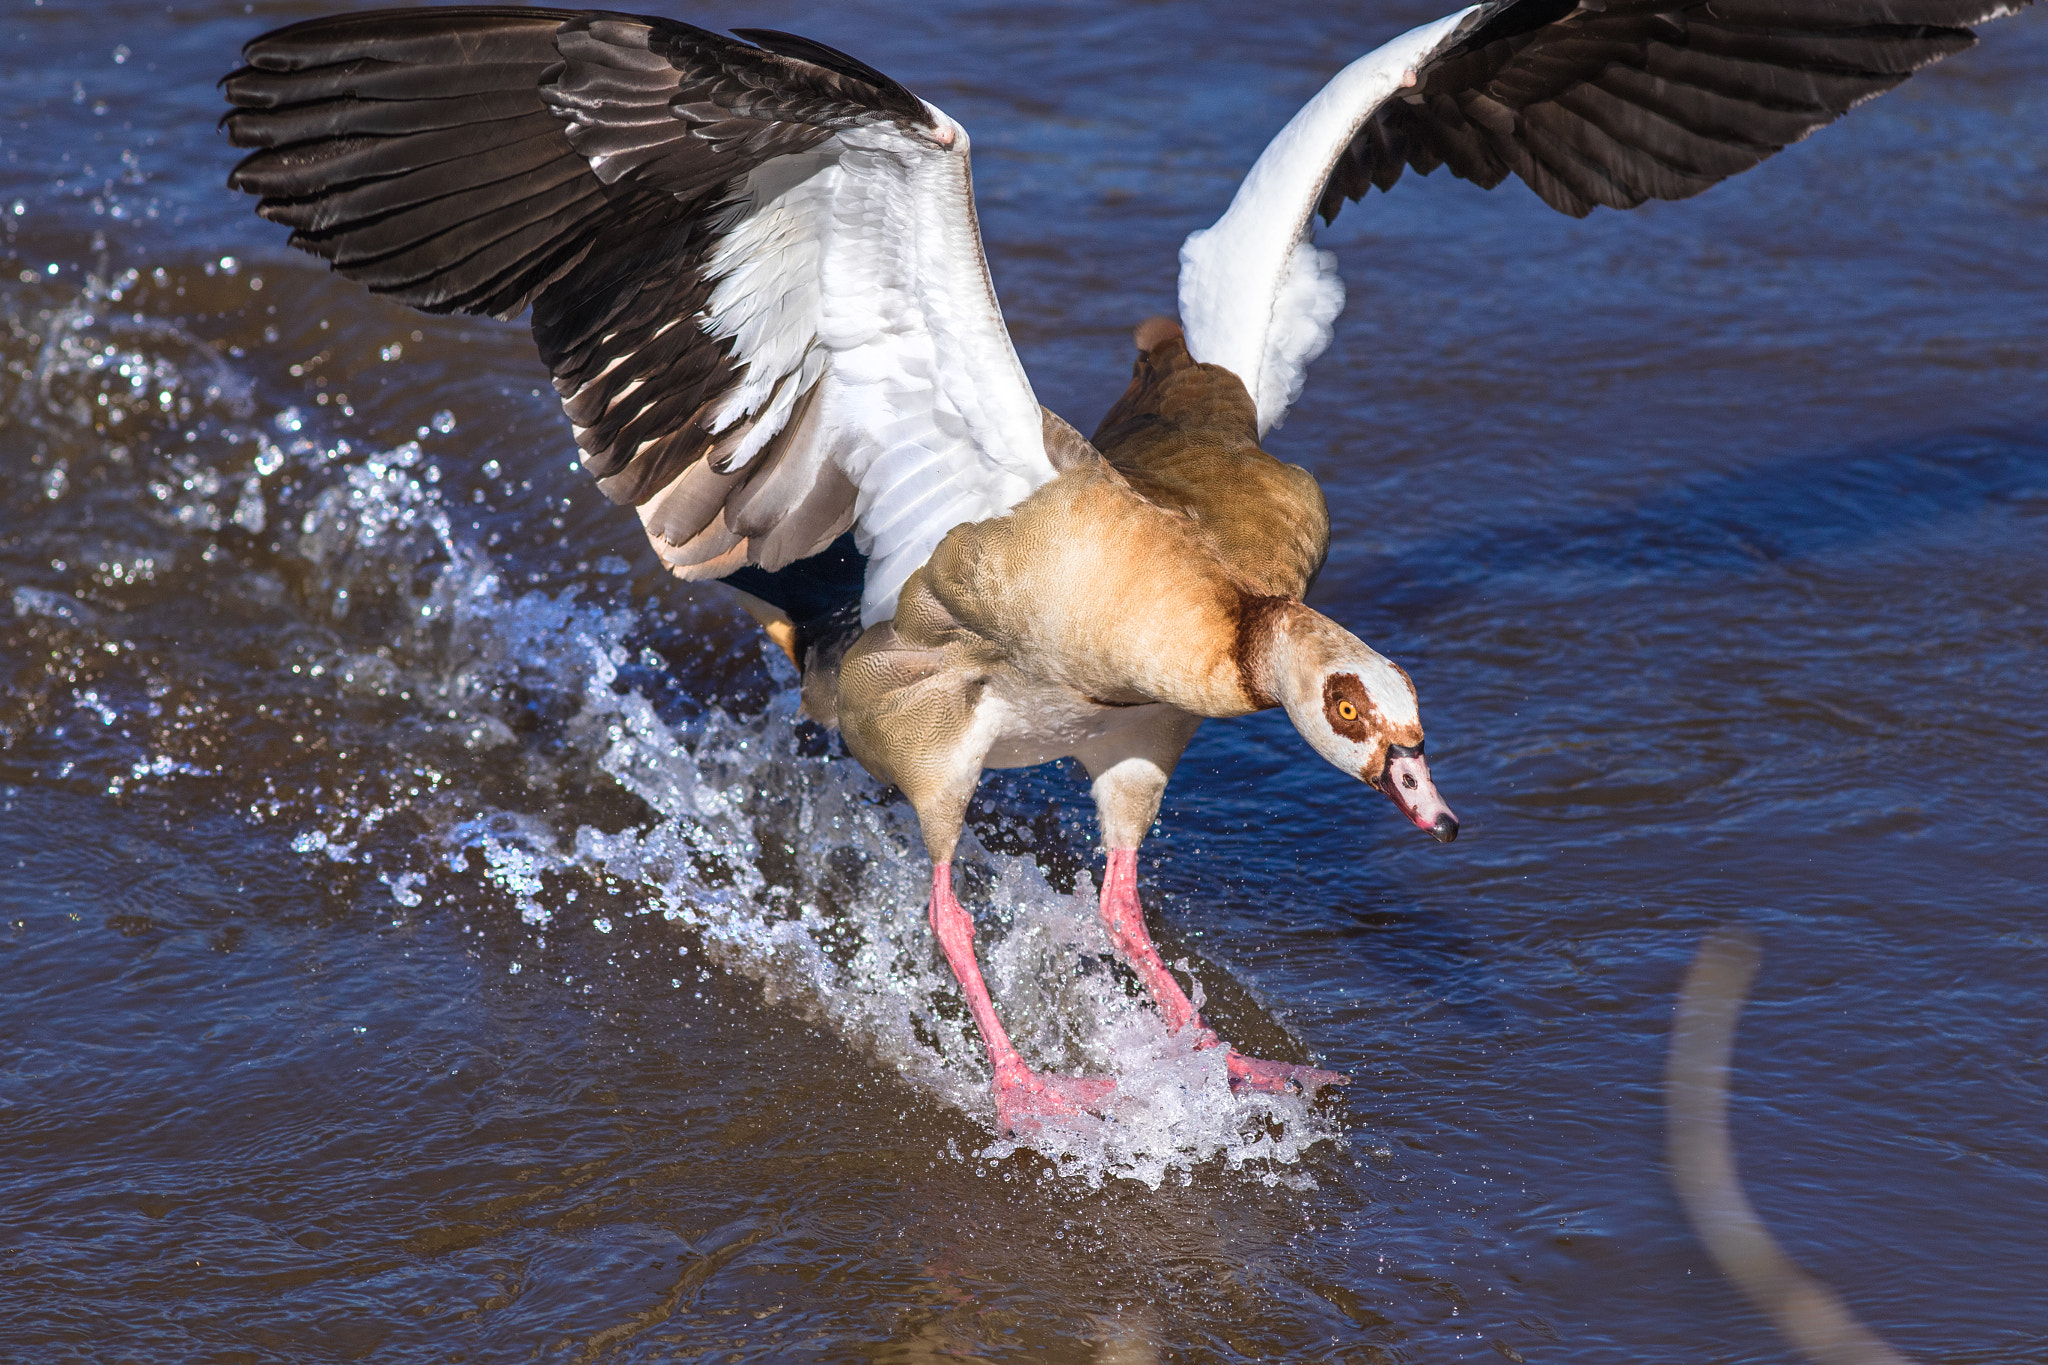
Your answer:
<point x="1353" y="705"/>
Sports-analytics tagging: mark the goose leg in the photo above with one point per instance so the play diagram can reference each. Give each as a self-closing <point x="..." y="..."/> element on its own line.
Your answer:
<point x="1022" y="1095"/>
<point x="1126" y="923"/>
<point x="912" y="716"/>
<point x="1125" y="920"/>
<point x="1130" y="773"/>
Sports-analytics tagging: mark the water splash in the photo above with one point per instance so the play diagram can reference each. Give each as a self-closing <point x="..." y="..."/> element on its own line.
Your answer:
<point x="432" y="721"/>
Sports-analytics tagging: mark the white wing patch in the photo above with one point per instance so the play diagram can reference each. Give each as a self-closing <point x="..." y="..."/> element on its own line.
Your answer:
<point x="934" y="392"/>
<point x="1310" y="298"/>
<point x="1255" y="296"/>
<point x="768" y="295"/>
<point x="852" y="287"/>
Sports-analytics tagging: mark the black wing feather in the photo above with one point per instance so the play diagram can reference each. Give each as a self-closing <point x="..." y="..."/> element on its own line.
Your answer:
<point x="1614" y="102"/>
<point x="579" y="163"/>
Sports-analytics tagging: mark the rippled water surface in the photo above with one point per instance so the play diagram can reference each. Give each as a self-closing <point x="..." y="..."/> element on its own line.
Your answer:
<point x="427" y="937"/>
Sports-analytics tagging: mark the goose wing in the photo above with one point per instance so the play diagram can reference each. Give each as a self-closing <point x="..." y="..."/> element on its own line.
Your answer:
<point x="1588" y="102"/>
<point x="753" y="264"/>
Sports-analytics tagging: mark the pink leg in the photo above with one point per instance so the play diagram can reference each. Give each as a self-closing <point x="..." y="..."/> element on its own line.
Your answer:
<point x="1023" y="1096"/>
<point x="1127" y="931"/>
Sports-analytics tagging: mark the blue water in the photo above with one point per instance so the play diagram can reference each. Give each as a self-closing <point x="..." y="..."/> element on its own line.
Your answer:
<point x="1712" y="535"/>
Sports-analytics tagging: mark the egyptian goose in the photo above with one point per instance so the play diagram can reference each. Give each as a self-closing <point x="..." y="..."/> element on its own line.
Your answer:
<point x="755" y="273"/>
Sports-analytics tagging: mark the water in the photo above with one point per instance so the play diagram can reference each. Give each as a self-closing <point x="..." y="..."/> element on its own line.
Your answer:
<point x="427" y="937"/>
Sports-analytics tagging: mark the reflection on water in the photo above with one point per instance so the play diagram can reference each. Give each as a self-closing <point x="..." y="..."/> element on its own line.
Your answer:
<point x="429" y="937"/>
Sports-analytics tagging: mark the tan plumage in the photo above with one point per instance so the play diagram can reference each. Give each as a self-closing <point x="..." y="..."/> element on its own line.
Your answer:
<point x="1103" y="616"/>
<point x="1108" y="611"/>
<point x="1186" y="436"/>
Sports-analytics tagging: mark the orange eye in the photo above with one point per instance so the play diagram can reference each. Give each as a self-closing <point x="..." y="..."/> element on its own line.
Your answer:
<point x="1347" y="710"/>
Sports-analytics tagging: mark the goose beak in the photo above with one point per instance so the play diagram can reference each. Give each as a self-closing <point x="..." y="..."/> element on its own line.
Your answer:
<point x="1407" y="781"/>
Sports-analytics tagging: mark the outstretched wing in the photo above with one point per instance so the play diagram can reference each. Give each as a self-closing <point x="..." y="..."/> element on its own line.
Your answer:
<point x="753" y="266"/>
<point x="1589" y="102"/>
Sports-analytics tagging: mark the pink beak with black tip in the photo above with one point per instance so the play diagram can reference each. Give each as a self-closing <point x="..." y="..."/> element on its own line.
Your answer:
<point x="1407" y="781"/>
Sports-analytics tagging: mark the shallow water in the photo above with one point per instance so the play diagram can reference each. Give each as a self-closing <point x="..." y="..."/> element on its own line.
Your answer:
<point x="427" y="937"/>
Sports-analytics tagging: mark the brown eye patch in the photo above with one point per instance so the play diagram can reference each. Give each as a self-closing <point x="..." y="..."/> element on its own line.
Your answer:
<point x="1348" y="708"/>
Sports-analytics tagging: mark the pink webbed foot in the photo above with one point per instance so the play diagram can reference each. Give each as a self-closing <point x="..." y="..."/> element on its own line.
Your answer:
<point x="1278" y="1078"/>
<point x="1025" y="1097"/>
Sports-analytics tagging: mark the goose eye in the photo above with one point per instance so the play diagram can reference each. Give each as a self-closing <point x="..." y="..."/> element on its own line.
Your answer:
<point x="1347" y="710"/>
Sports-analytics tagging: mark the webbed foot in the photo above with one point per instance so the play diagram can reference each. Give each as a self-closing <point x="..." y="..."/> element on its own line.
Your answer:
<point x="1278" y="1078"/>
<point x="1025" y="1097"/>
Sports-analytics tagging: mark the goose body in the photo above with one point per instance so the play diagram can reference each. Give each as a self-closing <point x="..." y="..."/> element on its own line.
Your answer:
<point x="753" y="269"/>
